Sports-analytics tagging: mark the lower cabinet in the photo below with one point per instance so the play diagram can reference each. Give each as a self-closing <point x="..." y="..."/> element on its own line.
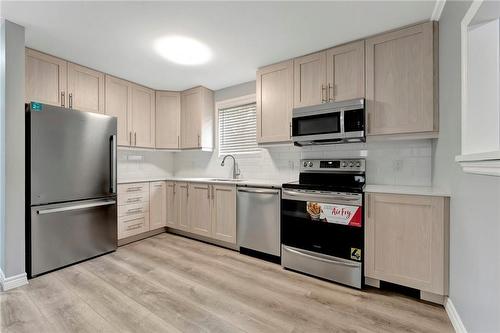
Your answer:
<point x="157" y="205"/>
<point x="199" y="203"/>
<point x="133" y="209"/>
<point x="181" y="194"/>
<point x="224" y="213"/>
<point x="407" y="240"/>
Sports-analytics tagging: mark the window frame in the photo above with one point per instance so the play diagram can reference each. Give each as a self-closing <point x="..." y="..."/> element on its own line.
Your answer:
<point x="231" y="103"/>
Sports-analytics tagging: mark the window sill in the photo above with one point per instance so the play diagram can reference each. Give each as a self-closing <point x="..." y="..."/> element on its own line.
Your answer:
<point x="487" y="163"/>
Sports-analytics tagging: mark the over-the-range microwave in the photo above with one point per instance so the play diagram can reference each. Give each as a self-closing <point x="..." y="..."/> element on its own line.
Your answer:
<point x="329" y="123"/>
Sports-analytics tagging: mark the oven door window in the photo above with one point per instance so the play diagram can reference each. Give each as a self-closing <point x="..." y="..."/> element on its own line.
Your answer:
<point x="305" y="226"/>
<point x="318" y="124"/>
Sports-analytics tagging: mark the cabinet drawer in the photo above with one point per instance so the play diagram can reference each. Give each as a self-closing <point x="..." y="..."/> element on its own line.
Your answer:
<point x="133" y="188"/>
<point x="134" y="209"/>
<point x="132" y="225"/>
<point x="133" y="198"/>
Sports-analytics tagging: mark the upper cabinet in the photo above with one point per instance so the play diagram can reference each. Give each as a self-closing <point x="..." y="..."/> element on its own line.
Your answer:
<point x="197" y="119"/>
<point x="345" y="72"/>
<point x="274" y="94"/>
<point x="118" y="97"/>
<point x="134" y="106"/>
<point x="168" y="113"/>
<point x="309" y="80"/>
<point x="45" y="78"/>
<point x="85" y="89"/>
<point x="54" y="81"/>
<point x="401" y="81"/>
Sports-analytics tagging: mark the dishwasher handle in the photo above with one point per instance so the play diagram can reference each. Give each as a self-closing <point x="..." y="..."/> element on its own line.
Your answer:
<point x="258" y="191"/>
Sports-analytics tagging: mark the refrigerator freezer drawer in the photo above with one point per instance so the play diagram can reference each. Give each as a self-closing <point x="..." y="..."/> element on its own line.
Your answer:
<point x="62" y="234"/>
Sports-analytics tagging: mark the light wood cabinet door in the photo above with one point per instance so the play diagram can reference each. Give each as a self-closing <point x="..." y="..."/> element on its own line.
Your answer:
<point x="274" y="96"/>
<point x="181" y="205"/>
<point x="309" y="80"/>
<point x="191" y="118"/>
<point x="170" y="204"/>
<point x="85" y="89"/>
<point x="157" y="205"/>
<point x="132" y="225"/>
<point x="200" y="221"/>
<point x="406" y="240"/>
<point x="401" y="81"/>
<point x="224" y="212"/>
<point x="45" y="79"/>
<point x="345" y="71"/>
<point x="142" y="120"/>
<point x="118" y="100"/>
<point x="168" y="112"/>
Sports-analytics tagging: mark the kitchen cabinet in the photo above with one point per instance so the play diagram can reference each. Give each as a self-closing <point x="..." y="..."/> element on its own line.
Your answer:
<point x="309" y="80"/>
<point x="45" y="78"/>
<point x="407" y="240"/>
<point x="197" y="119"/>
<point x="224" y="212"/>
<point x="157" y="205"/>
<point x="134" y="106"/>
<point x="181" y="205"/>
<point x="118" y="99"/>
<point x="168" y="113"/>
<point x="171" y="221"/>
<point x="401" y="81"/>
<point x="142" y="116"/>
<point x="133" y="209"/>
<point x="85" y="89"/>
<point x="345" y="72"/>
<point x="200" y="209"/>
<point x="274" y="87"/>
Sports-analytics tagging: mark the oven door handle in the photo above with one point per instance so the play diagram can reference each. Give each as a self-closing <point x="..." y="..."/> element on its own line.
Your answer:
<point x="330" y="261"/>
<point x="294" y="195"/>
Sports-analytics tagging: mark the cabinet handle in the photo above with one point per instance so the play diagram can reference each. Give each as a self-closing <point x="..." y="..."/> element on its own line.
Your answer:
<point x="290" y="130"/>
<point x="368" y="122"/>
<point x="368" y="210"/>
<point x="134" y="226"/>
<point x="135" y="138"/>
<point x="208" y="191"/>
<point x="134" y="189"/>
<point x="213" y="192"/>
<point x="199" y="141"/>
<point x="130" y="138"/>
<point x="174" y="188"/>
<point x="178" y="141"/>
<point x="70" y="100"/>
<point x="130" y="200"/>
<point x="63" y="97"/>
<point x="134" y="210"/>
<point x="323" y="90"/>
<point x="330" y="92"/>
<point x="187" y="190"/>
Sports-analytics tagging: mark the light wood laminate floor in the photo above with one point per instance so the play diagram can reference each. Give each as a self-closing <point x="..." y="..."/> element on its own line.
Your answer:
<point x="168" y="283"/>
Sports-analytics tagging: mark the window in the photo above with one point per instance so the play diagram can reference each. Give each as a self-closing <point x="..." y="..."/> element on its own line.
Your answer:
<point x="237" y="129"/>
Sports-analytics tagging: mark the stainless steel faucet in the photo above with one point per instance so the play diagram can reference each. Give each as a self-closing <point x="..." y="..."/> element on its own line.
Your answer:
<point x="236" y="170"/>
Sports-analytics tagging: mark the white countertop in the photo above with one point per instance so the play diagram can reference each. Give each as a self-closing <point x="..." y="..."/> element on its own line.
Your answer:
<point x="402" y="189"/>
<point x="242" y="182"/>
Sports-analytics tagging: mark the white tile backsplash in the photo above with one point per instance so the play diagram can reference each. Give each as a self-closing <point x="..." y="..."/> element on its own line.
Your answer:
<point x="144" y="164"/>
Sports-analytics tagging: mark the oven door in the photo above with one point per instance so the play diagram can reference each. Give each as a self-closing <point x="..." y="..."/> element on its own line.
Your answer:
<point x="324" y="222"/>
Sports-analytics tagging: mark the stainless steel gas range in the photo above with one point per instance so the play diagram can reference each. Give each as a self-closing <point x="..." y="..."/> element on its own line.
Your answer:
<point x="322" y="225"/>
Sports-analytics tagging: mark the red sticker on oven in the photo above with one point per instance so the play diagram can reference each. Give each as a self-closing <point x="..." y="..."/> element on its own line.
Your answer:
<point x="332" y="213"/>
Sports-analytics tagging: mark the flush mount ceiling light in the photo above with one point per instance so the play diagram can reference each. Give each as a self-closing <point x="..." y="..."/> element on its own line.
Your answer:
<point x="183" y="50"/>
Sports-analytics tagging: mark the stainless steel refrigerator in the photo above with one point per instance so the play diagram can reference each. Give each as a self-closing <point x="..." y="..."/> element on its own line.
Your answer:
<point x="71" y="212"/>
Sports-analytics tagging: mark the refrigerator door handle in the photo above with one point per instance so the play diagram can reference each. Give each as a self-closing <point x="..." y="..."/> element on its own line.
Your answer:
<point x="75" y="207"/>
<point x="113" y="165"/>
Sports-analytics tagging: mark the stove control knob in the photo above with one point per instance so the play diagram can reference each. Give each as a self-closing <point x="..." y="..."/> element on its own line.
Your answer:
<point x="305" y="164"/>
<point x="310" y="164"/>
<point x="344" y="164"/>
<point x="351" y="164"/>
<point x="358" y="164"/>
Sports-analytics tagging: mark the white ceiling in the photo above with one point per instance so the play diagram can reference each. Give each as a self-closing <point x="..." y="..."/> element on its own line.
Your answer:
<point x="117" y="37"/>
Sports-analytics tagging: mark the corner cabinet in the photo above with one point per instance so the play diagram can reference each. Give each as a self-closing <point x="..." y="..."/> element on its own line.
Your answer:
<point x="157" y="205"/>
<point x="168" y="119"/>
<point x="134" y="106"/>
<point x="401" y="81"/>
<point x="197" y="119"/>
<point x="406" y="240"/>
<point x="274" y="103"/>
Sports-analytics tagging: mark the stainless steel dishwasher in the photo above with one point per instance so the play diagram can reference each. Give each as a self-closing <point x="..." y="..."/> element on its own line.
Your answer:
<point x="258" y="219"/>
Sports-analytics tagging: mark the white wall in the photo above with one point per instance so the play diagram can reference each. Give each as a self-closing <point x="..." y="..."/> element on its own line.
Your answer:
<point x="403" y="163"/>
<point x="475" y="199"/>
<point x="12" y="134"/>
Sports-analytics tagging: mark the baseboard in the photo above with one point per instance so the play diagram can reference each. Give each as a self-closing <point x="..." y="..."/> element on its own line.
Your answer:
<point x="455" y="319"/>
<point x="12" y="281"/>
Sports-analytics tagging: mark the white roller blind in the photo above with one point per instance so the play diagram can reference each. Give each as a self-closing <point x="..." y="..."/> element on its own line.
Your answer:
<point x="238" y="130"/>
